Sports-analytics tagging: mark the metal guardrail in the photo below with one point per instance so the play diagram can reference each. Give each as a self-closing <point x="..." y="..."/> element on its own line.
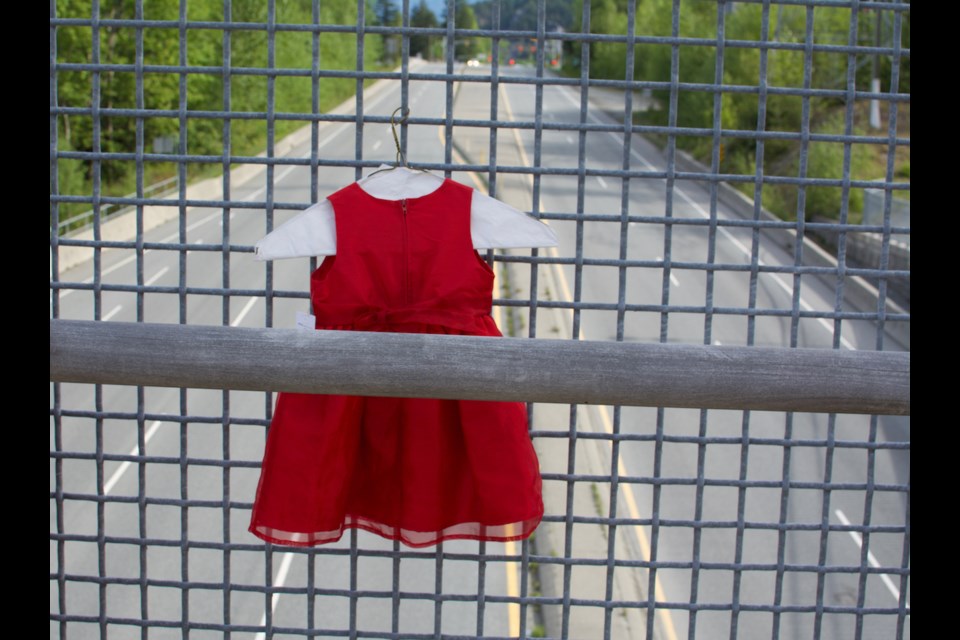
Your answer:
<point x="474" y="368"/>
<point x="126" y="203"/>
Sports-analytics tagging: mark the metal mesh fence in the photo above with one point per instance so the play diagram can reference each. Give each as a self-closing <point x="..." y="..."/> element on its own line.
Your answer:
<point x="660" y="523"/>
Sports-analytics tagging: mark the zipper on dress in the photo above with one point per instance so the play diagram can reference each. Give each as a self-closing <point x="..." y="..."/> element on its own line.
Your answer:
<point x="406" y="254"/>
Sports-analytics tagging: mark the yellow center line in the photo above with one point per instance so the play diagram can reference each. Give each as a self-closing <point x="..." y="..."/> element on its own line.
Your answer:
<point x="510" y="547"/>
<point x="513" y="609"/>
<point x="665" y="617"/>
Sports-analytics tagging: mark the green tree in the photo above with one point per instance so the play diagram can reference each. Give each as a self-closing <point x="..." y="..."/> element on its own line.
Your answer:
<point x="386" y="12"/>
<point x="465" y="48"/>
<point x="117" y="90"/>
<point x="740" y="109"/>
<point x="607" y="59"/>
<point x="387" y="15"/>
<point x="204" y="91"/>
<point x="422" y="17"/>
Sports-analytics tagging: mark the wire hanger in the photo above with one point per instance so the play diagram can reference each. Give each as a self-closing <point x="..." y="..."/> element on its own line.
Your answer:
<point x="401" y="161"/>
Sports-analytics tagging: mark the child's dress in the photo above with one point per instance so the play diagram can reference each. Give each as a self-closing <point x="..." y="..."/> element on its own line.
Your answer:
<point x="416" y="470"/>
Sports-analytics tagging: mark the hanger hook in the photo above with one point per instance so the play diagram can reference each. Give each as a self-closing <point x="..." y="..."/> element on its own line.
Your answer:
<point x="401" y="158"/>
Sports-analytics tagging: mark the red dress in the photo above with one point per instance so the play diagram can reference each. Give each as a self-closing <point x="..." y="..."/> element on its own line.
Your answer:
<point x="409" y="469"/>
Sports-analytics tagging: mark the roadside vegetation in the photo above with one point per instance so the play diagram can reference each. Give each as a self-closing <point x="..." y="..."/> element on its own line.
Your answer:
<point x="204" y="89"/>
<point x="293" y="95"/>
<point x="739" y="110"/>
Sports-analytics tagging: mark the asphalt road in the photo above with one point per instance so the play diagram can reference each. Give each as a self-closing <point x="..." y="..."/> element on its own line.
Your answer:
<point x="211" y="442"/>
<point x="678" y="460"/>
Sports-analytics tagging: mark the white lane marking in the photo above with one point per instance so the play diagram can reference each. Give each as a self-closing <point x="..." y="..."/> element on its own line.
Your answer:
<point x="717" y="343"/>
<point x="243" y="312"/>
<point x="173" y="236"/>
<point x="122" y="263"/>
<point x="156" y="277"/>
<point x="870" y="557"/>
<point x="568" y="93"/>
<point x="603" y="183"/>
<point x="115" y="478"/>
<point x="288" y="557"/>
<point x="666" y="619"/>
<point x="114" y="312"/>
<point x="788" y="289"/>
<point x="803" y="303"/>
<point x="673" y="278"/>
<point x="198" y="241"/>
<point x="376" y="145"/>
<point x="108" y="270"/>
<point x="569" y="140"/>
<point x="726" y="233"/>
<point x="191" y="227"/>
<point x="283" y="174"/>
<point x="281" y="578"/>
<point x="777" y="279"/>
<point x="104" y="272"/>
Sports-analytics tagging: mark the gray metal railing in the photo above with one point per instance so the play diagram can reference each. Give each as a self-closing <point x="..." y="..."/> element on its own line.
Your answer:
<point x="471" y="368"/>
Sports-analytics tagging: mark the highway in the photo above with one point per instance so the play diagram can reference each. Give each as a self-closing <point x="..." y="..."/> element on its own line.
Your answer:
<point x="210" y="441"/>
<point x="678" y="459"/>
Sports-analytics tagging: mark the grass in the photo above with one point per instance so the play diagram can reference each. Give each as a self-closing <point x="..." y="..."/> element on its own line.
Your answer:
<point x="597" y="500"/>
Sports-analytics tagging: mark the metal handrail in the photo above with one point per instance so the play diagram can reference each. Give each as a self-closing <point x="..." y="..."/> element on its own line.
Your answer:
<point x="480" y="368"/>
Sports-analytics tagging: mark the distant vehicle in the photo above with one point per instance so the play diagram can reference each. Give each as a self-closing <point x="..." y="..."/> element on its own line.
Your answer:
<point x="473" y="62"/>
